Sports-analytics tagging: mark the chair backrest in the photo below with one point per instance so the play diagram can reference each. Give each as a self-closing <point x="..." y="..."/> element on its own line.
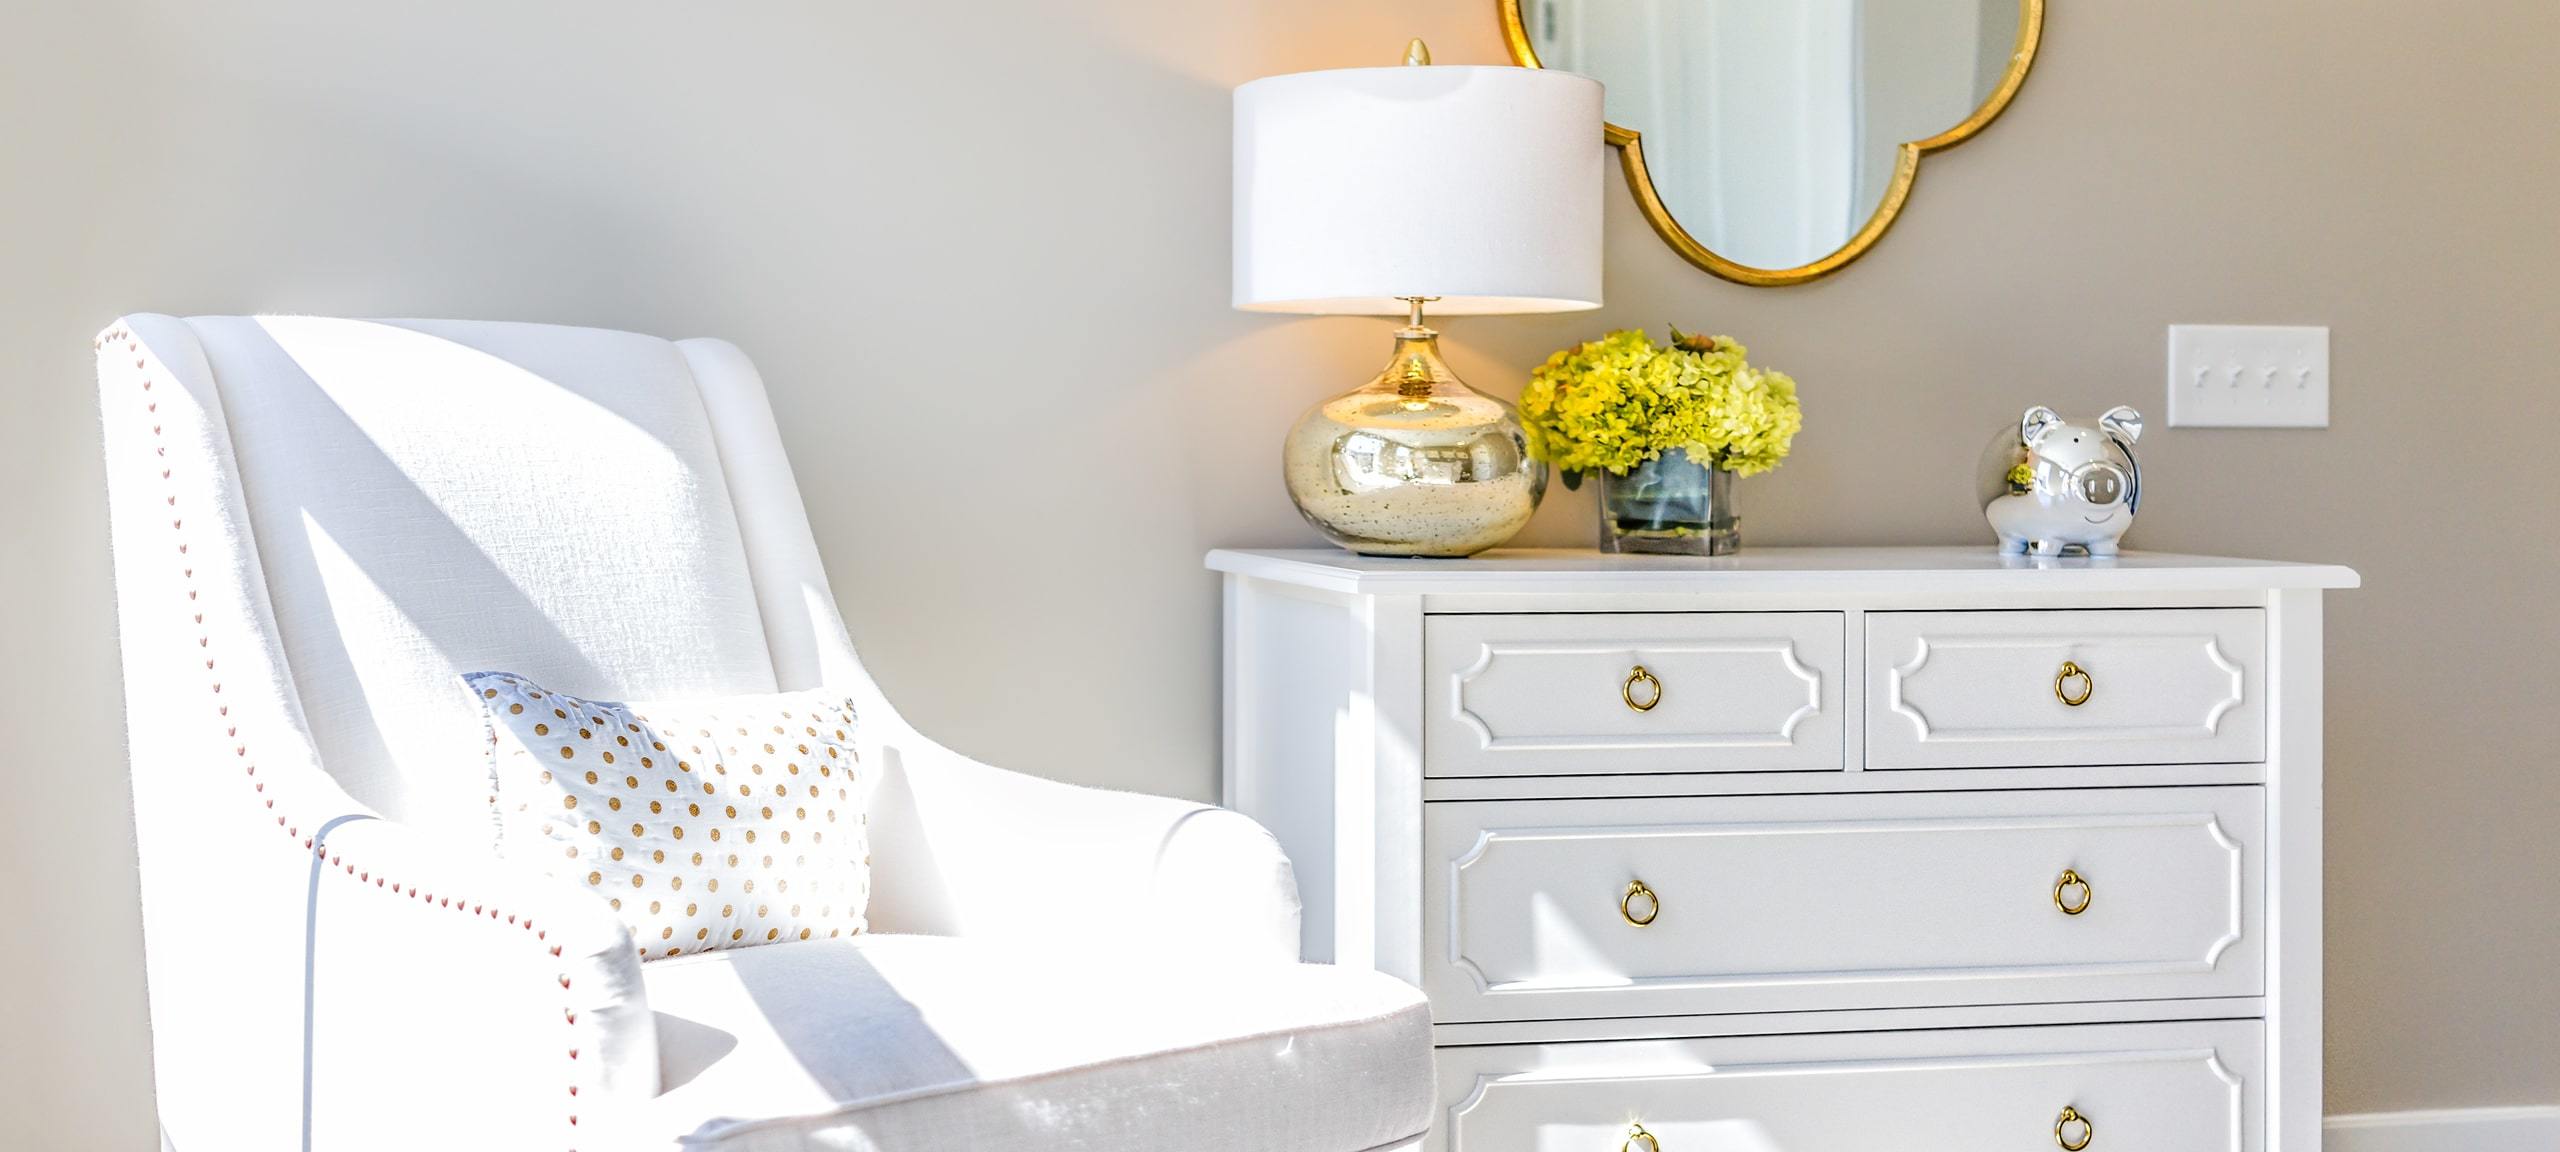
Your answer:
<point x="607" y="513"/>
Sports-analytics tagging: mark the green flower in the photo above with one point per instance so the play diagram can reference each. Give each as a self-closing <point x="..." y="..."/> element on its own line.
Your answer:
<point x="1616" y="402"/>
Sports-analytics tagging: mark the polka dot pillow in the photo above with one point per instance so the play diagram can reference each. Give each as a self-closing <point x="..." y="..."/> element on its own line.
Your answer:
<point x="707" y="824"/>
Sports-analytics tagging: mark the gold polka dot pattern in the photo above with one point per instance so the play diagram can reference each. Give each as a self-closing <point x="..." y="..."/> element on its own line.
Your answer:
<point x="775" y="777"/>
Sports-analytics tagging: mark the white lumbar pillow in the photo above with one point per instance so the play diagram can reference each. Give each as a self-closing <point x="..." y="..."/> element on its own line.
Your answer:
<point x="707" y="824"/>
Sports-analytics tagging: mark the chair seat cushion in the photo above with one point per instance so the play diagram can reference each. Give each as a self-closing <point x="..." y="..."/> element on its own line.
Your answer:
<point x="899" y="1042"/>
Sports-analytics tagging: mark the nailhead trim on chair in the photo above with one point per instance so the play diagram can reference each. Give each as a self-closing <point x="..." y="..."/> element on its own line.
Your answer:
<point x="240" y="751"/>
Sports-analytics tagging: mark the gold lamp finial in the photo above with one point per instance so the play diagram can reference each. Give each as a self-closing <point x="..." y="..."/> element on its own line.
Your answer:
<point x="1417" y="53"/>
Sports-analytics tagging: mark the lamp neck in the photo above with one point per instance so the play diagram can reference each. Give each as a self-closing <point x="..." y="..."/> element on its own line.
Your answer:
<point x="1416" y="369"/>
<point x="1413" y="321"/>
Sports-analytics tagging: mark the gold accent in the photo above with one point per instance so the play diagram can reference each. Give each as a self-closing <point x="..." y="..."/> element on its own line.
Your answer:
<point x="1627" y="690"/>
<point x="1415" y="384"/>
<point x="1906" y="168"/>
<point x="2069" y="1117"/>
<point x="1417" y="53"/>
<point x="2088" y="684"/>
<point x="1635" y="1132"/>
<point x="1627" y="904"/>
<point x="2072" y="879"/>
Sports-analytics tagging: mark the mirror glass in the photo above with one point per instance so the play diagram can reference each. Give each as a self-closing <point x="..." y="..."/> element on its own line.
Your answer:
<point x="1772" y="129"/>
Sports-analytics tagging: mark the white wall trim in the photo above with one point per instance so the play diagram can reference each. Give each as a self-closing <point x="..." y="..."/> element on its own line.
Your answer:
<point x="2448" y="1130"/>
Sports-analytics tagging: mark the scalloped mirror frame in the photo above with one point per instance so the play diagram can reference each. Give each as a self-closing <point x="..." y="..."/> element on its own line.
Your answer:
<point x="1906" y="169"/>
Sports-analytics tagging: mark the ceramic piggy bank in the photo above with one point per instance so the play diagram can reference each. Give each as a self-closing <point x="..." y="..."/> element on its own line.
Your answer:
<point x="2054" y="486"/>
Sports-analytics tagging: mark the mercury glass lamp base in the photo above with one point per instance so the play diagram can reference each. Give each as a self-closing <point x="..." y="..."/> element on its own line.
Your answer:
<point x="1414" y="463"/>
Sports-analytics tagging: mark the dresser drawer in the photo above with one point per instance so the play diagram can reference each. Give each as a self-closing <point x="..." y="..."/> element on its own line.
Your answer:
<point x="1794" y="903"/>
<point x="1633" y="692"/>
<point x="2185" y="1087"/>
<point x="1997" y="689"/>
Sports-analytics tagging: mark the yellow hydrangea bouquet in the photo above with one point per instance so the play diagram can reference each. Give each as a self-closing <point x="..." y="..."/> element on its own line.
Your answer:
<point x="1666" y="428"/>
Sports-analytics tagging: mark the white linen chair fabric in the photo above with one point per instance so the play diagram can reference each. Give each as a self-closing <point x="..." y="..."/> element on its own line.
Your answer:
<point x="318" y="523"/>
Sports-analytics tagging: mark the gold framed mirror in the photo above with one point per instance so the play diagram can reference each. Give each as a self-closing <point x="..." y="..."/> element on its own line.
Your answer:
<point x="1786" y="135"/>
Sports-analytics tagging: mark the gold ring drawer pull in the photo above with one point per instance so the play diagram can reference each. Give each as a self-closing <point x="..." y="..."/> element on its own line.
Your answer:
<point x="1640" y="677"/>
<point x="2073" y="671"/>
<point x="1627" y="904"/>
<point x="1635" y="1132"/>
<point x="2062" y="893"/>
<point x="2062" y="1130"/>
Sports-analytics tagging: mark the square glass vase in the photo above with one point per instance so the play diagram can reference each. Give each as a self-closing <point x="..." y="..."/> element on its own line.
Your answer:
<point x="1670" y="505"/>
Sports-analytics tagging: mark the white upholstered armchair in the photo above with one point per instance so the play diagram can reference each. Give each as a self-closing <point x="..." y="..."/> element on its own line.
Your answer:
<point x="318" y="523"/>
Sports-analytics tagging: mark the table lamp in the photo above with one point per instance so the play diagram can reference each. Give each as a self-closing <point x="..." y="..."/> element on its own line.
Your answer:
<point x="1375" y="191"/>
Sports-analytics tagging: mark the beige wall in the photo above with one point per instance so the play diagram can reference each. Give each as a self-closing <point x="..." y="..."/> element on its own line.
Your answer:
<point x="980" y="252"/>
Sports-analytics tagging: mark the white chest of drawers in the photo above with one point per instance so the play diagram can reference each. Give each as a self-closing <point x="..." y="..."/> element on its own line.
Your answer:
<point x="1809" y="849"/>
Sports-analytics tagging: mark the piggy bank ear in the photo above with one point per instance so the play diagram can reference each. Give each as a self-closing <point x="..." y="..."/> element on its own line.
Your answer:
<point x="2038" y="421"/>
<point x="2123" y="422"/>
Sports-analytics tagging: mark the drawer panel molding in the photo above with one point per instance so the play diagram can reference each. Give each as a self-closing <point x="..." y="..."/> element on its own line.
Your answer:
<point x="2031" y="688"/>
<point x="1635" y="693"/>
<point x="1600" y="908"/>
<point x="2183" y="1086"/>
<point x="1772" y="661"/>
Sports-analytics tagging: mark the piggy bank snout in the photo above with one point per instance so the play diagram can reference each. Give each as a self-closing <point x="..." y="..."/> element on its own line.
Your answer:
<point x="2102" y="484"/>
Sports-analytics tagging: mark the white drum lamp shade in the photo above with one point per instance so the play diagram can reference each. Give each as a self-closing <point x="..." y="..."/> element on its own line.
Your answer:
<point x="1359" y="188"/>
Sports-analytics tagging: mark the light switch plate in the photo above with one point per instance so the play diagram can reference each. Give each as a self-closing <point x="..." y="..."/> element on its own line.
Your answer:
<point x="2248" y="376"/>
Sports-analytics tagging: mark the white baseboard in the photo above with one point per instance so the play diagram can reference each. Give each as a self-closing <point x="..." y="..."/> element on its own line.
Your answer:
<point x="2450" y="1130"/>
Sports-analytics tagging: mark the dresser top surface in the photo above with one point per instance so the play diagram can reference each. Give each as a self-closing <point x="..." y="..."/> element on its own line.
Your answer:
<point x="1967" y="568"/>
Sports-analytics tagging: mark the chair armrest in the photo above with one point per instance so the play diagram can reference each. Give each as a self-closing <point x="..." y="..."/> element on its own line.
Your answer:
<point x="961" y="848"/>
<point x="505" y="988"/>
<point x="382" y="988"/>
